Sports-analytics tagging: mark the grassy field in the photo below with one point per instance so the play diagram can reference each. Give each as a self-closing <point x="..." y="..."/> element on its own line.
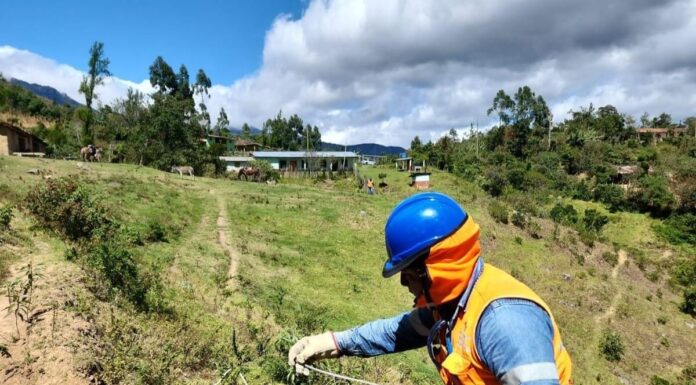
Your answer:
<point x="307" y="257"/>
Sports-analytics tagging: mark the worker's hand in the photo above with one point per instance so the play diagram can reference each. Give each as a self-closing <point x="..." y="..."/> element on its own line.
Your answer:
<point x="310" y="349"/>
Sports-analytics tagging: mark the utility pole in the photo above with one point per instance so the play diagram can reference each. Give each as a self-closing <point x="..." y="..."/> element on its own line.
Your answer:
<point x="550" y="124"/>
<point x="477" y="139"/>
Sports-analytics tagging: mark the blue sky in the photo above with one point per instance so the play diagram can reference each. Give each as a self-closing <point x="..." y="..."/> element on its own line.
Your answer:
<point x="225" y="38"/>
<point x="371" y="71"/>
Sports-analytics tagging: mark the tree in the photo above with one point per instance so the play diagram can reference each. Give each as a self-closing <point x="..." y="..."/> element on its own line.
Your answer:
<point x="201" y="88"/>
<point x="416" y="145"/>
<point x="162" y="77"/>
<point x="222" y="122"/>
<point x="246" y="131"/>
<point x="98" y="69"/>
<point x="664" y="120"/>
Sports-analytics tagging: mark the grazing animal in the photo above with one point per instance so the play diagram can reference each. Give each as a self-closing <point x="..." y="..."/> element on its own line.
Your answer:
<point x="184" y="170"/>
<point x="248" y="172"/>
<point x="98" y="155"/>
<point x="86" y="154"/>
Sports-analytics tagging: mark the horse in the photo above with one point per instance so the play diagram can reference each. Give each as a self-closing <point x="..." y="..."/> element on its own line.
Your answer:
<point x="86" y="154"/>
<point x="183" y="170"/>
<point x="247" y="172"/>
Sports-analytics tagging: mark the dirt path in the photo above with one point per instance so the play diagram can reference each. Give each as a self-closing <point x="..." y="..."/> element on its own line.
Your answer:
<point x="223" y="238"/>
<point x="617" y="297"/>
<point x="46" y="348"/>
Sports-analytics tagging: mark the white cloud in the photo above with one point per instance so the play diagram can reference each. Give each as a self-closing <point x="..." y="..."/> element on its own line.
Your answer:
<point x="385" y="71"/>
<point x="30" y="67"/>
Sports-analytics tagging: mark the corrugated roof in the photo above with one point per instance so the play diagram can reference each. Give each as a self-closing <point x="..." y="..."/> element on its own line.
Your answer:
<point x="236" y="158"/>
<point x="303" y="154"/>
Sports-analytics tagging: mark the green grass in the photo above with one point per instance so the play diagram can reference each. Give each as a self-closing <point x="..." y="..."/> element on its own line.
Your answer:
<point x="310" y="259"/>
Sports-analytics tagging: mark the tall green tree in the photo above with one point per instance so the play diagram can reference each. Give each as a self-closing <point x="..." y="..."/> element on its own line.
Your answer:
<point x="201" y="88"/>
<point x="97" y="70"/>
<point x="162" y="77"/>
<point x="223" y="123"/>
<point x="246" y="131"/>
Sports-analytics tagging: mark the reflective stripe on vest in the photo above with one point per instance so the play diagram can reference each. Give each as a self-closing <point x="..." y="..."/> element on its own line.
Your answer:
<point x="463" y="364"/>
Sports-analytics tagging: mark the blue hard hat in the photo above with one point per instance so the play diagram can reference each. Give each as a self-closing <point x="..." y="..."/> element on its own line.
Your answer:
<point x="416" y="224"/>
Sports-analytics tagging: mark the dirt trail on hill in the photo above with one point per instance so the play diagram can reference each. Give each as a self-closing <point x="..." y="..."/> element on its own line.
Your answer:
<point x="47" y="347"/>
<point x="223" y="239"/>
<point x="615" y="301"/>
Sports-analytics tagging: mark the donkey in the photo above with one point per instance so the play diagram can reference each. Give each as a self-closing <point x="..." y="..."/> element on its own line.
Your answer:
<point x="184" y="170"/>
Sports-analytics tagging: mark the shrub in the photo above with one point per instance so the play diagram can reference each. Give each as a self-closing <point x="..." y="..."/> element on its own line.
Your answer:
<point x="565" y="215"/>
<point x="116" y="265"/>
<point x="65" y="207"/>
<point x="594" y="221"/>
<point x="519" y="219"/>
<point x="611" y="195"/>
<point x="611" y="346"/>
<point x="662" y="320"/>
<point x="657" y="380"/>
<point x="267" y="171"/>
<point x="156" y="232"/>
<point x="534" y="229"/>
<point x="6" y="216"/>
<point x="610" y="258"/>
<point x="678" y="229"/>
<point x="499" y="212"/>
<point x="689" y="304"/>
<point x="653" y="196"/>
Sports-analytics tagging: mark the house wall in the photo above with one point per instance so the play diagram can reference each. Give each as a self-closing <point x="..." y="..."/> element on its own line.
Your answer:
<point x="4" y="145"/>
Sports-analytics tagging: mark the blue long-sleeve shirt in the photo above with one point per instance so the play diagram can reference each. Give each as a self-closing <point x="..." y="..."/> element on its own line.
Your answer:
<point x="514" y="339"/>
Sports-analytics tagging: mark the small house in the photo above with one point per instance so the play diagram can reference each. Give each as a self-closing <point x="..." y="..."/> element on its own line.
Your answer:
<point x="15" y="141"/>
<point x="243" y="145"/>
<point x="235" y="163"/>
<point x="420" y="180"/>
<point x="308" y="160"/>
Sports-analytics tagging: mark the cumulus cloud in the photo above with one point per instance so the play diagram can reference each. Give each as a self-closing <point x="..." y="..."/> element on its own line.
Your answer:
<point x="385" y="71"/>
<point x="33" y="68"/>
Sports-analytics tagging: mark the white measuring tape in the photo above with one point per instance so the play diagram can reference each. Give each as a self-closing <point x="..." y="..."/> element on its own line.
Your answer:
<point x="310" y="367"/>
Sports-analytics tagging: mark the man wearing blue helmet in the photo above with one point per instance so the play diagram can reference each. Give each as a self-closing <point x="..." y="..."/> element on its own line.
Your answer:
<point x="480" y="325"/>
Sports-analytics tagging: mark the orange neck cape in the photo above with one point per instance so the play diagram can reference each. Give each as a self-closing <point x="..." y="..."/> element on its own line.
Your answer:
<point x="451" y="263"/>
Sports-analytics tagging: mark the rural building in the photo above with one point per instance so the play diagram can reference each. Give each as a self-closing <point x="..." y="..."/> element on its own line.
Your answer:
<point x="408" y="164"/>
<point x="308" y="161"/>
<point x="420" y="180"/>
<point x="15" y="141"/>
<point x="234" y="163"/>
<point x="226" y="141"/>
<point x="658" y="134"/>
<point x="372" y="159"/>
<point x="243" y="145"/>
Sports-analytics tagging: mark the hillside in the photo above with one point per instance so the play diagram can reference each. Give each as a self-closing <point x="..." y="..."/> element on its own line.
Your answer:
<point x="236" y="271"/>
<point x="47" y="92"/>
<point x="364" y="148"/>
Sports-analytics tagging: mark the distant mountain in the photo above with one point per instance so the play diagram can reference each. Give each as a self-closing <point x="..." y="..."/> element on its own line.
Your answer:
<point x="238" y="130"/>
<point x="47" y="92"/>
<point x="364" y="148"/>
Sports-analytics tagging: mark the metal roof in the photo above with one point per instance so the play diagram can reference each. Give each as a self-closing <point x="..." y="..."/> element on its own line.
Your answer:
<point x="303" y="154"/>
<point x="236" y="158"/>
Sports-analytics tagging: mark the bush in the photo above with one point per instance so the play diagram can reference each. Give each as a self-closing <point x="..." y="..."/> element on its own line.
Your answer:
<point x="267" y="171"/>
<point x="610" y="258"/>
<point x="156" y="232"/>
<point x="6" y="216"/>
<point x="678" y="229"/>
<point x="565" y="215"/>
<point x="689" y="304"/>
<point x="499" y="212"/>
<point x="657" y="380"/>
<point x="611" y="346"/>
<point x="534" y="229"/>
<point x="65" y="207"/>
<point x="653" y="196"/>
<point x="519" y="219"/>
<point x="593" y="221"/>
<point x="116" y="265"/>
<point x="662" y="320"/>
<point x="611" y="195"/>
